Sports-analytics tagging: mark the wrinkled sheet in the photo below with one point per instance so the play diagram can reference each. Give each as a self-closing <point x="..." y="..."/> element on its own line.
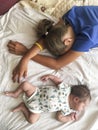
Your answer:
<point x="19" y="25"/>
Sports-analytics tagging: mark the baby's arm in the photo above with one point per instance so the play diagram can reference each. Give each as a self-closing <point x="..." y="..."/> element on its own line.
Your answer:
<point x="53" y="78"/>
<point x="67" y="118"/>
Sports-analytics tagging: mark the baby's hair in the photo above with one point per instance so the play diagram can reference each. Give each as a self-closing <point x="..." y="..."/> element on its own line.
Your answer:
<point x="52" y="36"/>
<point x="81" y="91"/>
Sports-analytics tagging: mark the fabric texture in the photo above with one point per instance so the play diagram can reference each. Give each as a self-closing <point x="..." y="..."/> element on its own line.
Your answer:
<point x="84" y="21"/>
<point x="5" y="5"/>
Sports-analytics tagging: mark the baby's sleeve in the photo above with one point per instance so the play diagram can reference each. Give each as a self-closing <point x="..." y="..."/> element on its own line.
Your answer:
<point x="62" y="86"/>
<point x="66" y="111"/>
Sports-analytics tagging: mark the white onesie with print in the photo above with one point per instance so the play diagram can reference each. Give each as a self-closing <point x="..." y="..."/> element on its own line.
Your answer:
<point x="49" y="99"/>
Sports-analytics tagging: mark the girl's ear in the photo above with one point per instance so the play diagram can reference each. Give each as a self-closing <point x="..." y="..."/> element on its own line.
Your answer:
<point x="68" y="41"/>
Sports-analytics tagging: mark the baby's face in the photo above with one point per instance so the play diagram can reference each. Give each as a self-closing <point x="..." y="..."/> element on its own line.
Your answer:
<point x="82" y="105"/>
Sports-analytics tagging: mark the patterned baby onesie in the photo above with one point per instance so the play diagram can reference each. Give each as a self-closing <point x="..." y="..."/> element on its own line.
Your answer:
<point x="49" y="99"/>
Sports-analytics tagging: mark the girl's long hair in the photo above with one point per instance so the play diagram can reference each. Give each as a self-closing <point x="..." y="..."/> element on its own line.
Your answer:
<point x="52" y="36"/>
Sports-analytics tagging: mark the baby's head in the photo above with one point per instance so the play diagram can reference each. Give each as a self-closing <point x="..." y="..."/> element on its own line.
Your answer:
<point x="54" y="36"/>
<point x="79" y="97"/>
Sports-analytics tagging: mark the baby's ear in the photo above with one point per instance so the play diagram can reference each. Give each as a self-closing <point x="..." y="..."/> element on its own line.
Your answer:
<point x="76" y="99"/>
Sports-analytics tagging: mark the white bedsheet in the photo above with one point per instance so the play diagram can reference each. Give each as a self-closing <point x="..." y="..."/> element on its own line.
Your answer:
<point x="19" y="24"/>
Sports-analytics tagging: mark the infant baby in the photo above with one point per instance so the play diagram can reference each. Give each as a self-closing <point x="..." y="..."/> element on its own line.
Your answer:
<point x="63" y="99"/>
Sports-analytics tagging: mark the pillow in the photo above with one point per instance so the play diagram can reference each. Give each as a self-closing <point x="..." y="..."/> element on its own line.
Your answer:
<point x="43" y="6"/>
<point x="54" y="8"/>
<point x="5" y="5"/>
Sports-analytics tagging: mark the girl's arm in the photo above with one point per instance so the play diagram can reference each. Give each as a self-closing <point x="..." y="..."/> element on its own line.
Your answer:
<point x="57" y="63"/>
<point x="54" y="63"/>
<point x="18" y="48"/>
<point x="34" y="50"/>
<point x="21" y="69"/>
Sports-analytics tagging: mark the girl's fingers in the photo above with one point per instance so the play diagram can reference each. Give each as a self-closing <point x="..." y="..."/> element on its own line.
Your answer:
<point x="15" y="78"/>
<point x="15" y="74"/>
<point x="14" y="70"/>
<point x="11" y="50"/>
<point x="25" y="74"/>
<point x="11" y="44"/>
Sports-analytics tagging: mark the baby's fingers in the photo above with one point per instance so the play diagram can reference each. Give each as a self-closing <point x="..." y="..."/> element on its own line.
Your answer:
<point x="43" y="78"/>
<point x="73" y="116"/>
<point x="25" y="74"/>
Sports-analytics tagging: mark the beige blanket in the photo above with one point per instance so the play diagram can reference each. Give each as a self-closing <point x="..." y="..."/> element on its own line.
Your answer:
<point x="55" y="8"/>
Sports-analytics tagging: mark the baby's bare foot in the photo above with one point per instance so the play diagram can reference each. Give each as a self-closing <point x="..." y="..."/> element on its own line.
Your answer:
<point x="10" y="94"/>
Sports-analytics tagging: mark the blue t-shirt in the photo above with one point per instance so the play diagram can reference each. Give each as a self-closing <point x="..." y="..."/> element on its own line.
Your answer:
<point x="84" y="21"/>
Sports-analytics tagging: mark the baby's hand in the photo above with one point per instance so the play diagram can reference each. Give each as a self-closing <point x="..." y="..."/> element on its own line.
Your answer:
<point x="45" y="77"/>
<point x="74" y="116"/>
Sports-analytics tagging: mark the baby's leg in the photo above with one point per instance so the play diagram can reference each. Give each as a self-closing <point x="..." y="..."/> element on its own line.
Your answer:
<point x="28" y="88"/>
<point x="15" y="93"/>
<point x="31" y="117"/>
<point x="24" y="87"/>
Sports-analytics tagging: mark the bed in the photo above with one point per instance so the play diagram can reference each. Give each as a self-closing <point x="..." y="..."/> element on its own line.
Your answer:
<point x="19" y="24"/>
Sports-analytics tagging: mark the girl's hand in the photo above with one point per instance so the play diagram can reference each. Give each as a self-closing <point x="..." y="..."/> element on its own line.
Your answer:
<point x="16" y="48"/>
<point x="20" y="71"/>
